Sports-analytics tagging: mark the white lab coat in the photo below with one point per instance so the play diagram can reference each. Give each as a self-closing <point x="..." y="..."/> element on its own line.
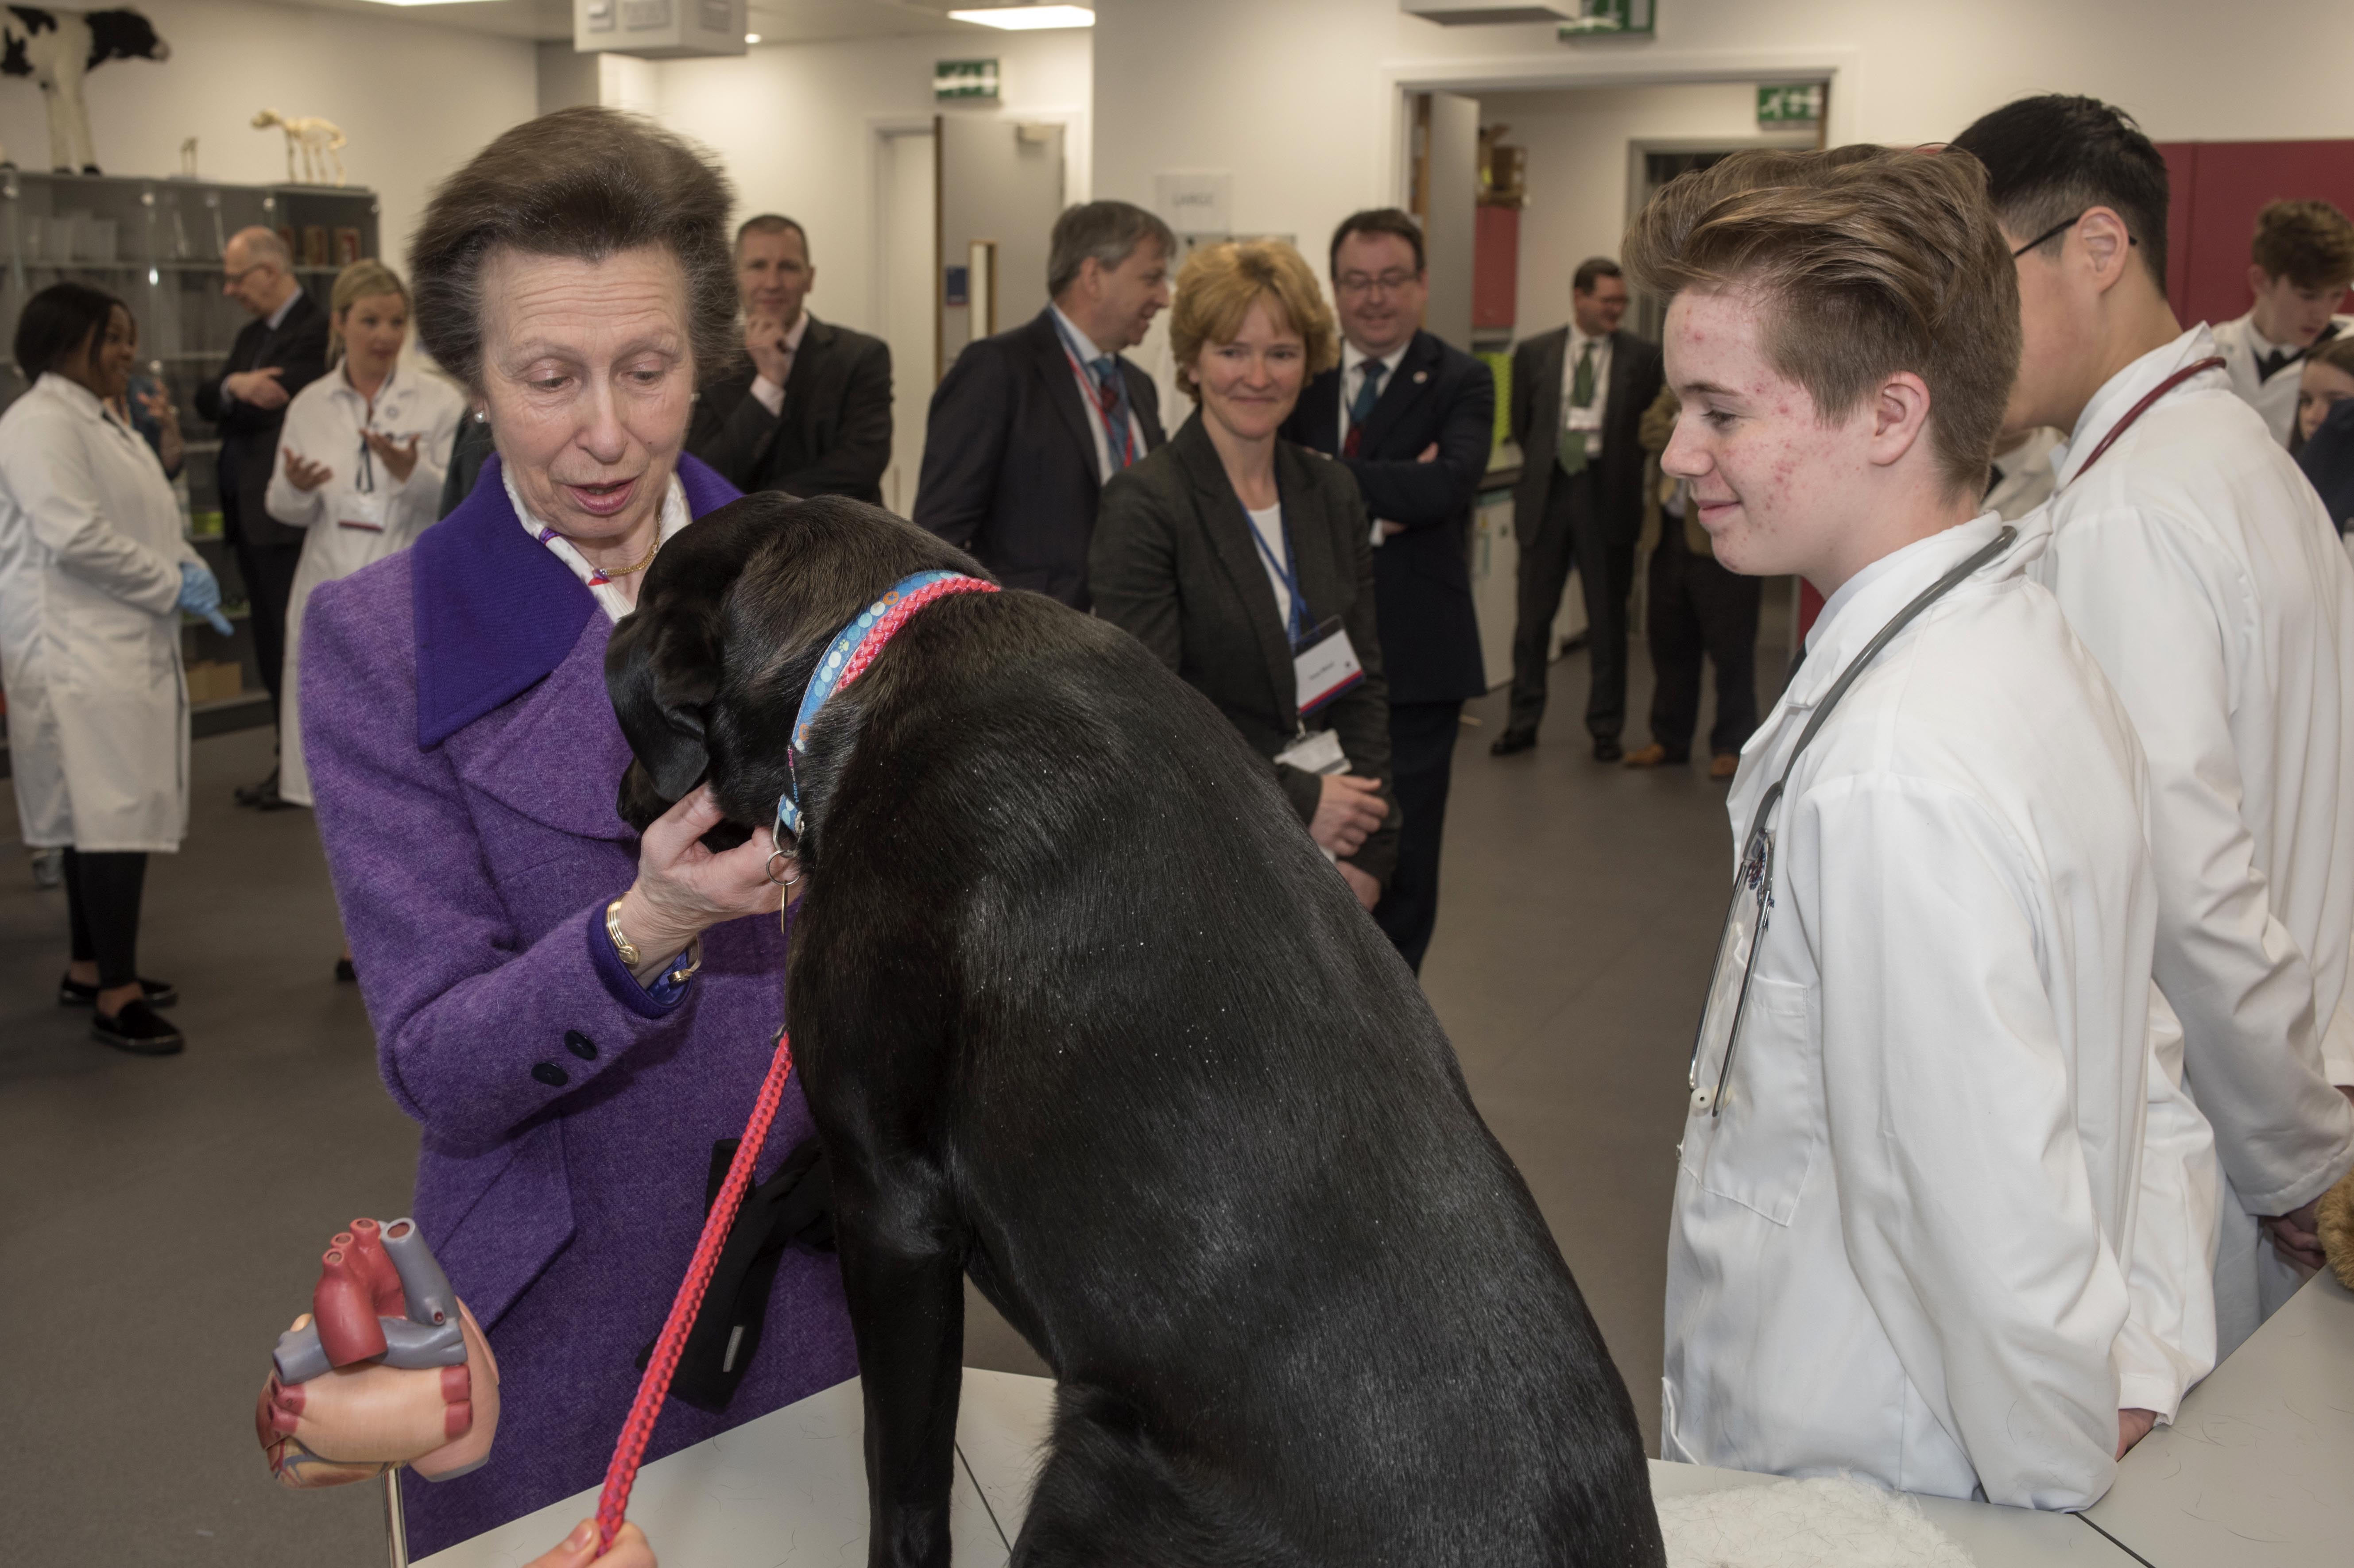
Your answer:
<point x="2198" y="566"/>
<point x="44" y="813"/>
<point x="2273" y="398"/>
<point x="1926" y="1241"/>
<point x="324" y="423"/>
<point x="96" y="501"/>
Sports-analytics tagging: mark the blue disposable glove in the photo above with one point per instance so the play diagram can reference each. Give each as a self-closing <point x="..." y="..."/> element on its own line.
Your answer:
<point x="200" y="594"/>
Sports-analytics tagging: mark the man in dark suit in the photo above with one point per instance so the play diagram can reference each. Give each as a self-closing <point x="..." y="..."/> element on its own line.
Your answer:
<point x="282" y="350"/>
<point x="1578" y="397"/>
<point x="809" y="412"/>
<point x="1413" y="420"/>
<point x="1027" y="426"/>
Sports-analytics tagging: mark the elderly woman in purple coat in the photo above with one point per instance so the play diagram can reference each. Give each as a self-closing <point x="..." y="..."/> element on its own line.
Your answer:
<point x="576" y="1017"/>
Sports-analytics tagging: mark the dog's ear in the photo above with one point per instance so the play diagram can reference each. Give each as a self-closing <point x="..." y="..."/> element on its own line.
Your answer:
<point x="661" y="671"/>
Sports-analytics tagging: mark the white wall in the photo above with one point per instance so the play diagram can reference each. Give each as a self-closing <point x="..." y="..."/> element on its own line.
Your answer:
<point x="1578" y="169"/>
<point x="416" y="100"/>
<point x="1299" y="100"/>
<point x="797" y="126"/>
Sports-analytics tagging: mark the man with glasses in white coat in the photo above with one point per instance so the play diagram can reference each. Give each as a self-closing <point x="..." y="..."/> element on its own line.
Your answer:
<point x="2198" y="567"/>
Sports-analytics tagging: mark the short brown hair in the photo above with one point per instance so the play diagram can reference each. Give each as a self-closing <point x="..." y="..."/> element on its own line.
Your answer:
<point x="583" y="183"/>
<point x="2311" y="243"/>
<point x="1387" y="220"/>
<point x="772" y="223"/>
<point x="1876" y="260"/>
<point x="1218" y="285"/>
<point x="1107" y="230"/>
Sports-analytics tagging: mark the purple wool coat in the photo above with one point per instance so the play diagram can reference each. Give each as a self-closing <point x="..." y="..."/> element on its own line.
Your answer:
<point x="466" y="762"/>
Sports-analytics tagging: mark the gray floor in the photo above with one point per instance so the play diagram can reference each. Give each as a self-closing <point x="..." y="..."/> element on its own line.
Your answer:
<point x="160" y="1222"/>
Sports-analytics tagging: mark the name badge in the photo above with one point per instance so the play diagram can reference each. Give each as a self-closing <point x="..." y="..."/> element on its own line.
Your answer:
<point x="1317" y="753"/>
<point x="361" y="511"/>
<point x="1325" y="665"/>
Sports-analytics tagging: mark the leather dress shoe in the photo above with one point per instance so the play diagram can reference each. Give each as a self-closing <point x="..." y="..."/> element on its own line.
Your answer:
<point x="257" y="795"/>
<point x="1724" y="766"/>
<point x="346" y="973"/>
<point x="1607" y="750"/>
<point x="71" y="992"/>
<point x="1511" y="741"/>
<point x="1653" y="755"/>
<point x="138" y="1029"/>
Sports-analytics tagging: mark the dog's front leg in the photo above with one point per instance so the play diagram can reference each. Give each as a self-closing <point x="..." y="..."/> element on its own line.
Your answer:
<point x="902" y="1268"/>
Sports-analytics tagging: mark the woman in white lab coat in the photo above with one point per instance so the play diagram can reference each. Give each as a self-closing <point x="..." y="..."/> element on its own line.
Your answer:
<point x="360" y="464"/>
<point x="99" y="570"/>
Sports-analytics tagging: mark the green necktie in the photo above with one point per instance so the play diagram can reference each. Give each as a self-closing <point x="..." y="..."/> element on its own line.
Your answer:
<point x="1571" y="453"/>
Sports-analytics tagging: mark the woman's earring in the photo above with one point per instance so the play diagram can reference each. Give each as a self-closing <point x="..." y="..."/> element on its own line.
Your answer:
<point x="482" y="416"/>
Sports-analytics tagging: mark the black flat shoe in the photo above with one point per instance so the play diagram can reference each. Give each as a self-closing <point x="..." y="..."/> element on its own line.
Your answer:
<point x="1607" y="750"/>
<point x="1511" y="741"/>
<point x="345" y="973"/>
<point x="138" y="1029"/>
<point x="71" y="992"/>
<point x="262" y="796"/>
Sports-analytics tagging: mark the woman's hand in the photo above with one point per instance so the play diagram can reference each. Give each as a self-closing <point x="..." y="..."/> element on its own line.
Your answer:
<point x="1368" y="891"/>
<point x="399" y="461"/>
<point x="683" y="889"/>
<point x="1346" y="815"/>
<point x="303" y="475"/>
<point x="578" y="1550"/>
<point x="2133" y="1425"/>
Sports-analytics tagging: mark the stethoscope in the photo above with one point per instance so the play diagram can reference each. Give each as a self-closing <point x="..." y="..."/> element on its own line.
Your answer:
<point x="1753" y="887"/>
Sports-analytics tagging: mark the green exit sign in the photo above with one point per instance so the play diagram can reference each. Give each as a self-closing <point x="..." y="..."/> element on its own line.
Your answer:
<point x="1611" y="19"/>
<point x="961" y="81"/>
<point x="1799" y="104"/>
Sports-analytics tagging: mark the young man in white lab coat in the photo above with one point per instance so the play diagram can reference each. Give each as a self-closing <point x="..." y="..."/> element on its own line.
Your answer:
<point x="2199" y="567"/>
<point x="2300" y="262"/>
<point x="1937" y="1223"/>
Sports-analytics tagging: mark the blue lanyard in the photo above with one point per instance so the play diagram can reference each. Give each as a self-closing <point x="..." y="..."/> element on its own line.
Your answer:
<point x="1299" y="628"/>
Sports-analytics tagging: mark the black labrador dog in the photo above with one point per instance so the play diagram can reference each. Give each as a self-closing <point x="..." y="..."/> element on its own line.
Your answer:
<point x="1081" y="1012"/>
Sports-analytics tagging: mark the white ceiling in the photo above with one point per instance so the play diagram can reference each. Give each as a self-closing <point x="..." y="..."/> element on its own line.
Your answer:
<point x="777" y="21"/>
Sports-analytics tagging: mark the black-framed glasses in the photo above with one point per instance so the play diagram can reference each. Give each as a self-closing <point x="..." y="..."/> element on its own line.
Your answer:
<point x="2056" y="230"/>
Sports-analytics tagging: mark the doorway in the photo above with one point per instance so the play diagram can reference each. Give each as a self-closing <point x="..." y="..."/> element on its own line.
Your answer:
<point x="905" y="202"/>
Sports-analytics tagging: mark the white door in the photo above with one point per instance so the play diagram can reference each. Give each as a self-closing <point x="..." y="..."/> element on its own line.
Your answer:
<point x="908" y="324"/>
<point x="1452" y="215"/>
<point x="1001" y="189"/>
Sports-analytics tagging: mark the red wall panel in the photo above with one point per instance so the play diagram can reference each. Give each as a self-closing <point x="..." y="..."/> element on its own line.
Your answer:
<point x="1495" y="267"/>
<point x="2218" y="189"/>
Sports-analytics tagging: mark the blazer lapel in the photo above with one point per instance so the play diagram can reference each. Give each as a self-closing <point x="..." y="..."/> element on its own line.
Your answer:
<point x="1403" y="391"/>
<point x="1544" y="427"/>
<point x="1229" y="530"/>
<point x="1623" y="420"/>
<point x="557" y="755"/>
<point x="1319" y="414"/>
<point x="1053" y="366"/>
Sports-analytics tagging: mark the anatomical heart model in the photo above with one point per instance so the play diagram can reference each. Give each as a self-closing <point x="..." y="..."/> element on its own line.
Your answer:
<point x="386" y="1369"/>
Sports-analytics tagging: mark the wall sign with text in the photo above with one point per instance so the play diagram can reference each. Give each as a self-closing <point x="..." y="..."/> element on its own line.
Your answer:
<point x="964" y="81"/>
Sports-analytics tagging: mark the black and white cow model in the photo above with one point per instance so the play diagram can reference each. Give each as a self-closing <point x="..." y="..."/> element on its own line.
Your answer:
<point x="56" y="49"/>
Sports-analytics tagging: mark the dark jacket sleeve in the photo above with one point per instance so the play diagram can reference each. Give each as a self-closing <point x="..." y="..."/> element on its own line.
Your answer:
<point x="964" y="445"/>
<point x="861" y="447"/>
<point x="730" y="429"/>
<point x="212" y="404"/>
<point x="301" y="359"/>
<point x="1425" y="494"/>
<point x="1132" y="565"/>
<point x="1524" y="393"/>
<point x="1362" y="716"/>
<point x="302" y="356"/>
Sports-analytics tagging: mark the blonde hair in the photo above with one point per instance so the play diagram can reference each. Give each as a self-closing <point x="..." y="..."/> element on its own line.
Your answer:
<point x="1218" y="285"/>
<point x="1875" y="260"/>
<point x="360" y="281"/>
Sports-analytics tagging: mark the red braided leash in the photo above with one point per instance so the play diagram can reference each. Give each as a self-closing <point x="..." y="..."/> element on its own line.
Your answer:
<point x="654" y="1387"/>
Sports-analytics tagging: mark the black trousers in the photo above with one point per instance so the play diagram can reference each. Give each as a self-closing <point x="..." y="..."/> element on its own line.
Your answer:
<point x="269" y="574"/>
<point x="103" y="893"/>
<point x="1575" y="533"/>
<point x="1422" y="762"/>
<point x="1697" y="606"/>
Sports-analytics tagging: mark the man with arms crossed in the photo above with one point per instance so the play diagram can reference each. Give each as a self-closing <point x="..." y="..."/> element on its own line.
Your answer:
<point x="2199" y="567"/>
<point x="1936" y="1209"/>
<point x="2299" y="263"/>
<point x="811" y="413"/>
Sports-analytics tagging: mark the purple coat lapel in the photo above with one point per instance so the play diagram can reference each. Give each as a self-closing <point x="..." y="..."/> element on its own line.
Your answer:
<point x="496" y="611"/>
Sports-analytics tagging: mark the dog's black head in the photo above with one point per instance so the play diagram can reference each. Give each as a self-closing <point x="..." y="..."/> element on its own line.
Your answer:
<point x="123" y="36"/>
<point x="706" y="674"/>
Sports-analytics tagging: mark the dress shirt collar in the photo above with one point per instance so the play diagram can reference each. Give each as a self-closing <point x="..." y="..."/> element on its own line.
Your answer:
<point x="1089" y="352"/>
<point x="277" y="318"/>
<point x="2122" y="391"/>
<point x="1352" y="356"/>
<point x="798" y="331"/>
<point x="1578" y="339"/>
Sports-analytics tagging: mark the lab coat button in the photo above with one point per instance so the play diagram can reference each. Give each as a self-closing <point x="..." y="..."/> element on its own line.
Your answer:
<point x="580" y="1044"/>
<point x="554" y="1077"/>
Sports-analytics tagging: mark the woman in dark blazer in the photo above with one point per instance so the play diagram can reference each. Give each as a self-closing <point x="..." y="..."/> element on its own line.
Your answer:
<point x="1230" y="551"/>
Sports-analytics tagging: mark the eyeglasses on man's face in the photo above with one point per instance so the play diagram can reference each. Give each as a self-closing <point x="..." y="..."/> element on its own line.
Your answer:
<point x="2055" y="231"/>
<point x="1389" y="283"/>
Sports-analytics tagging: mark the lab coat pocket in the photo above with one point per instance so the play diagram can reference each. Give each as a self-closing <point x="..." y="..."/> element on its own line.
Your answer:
<point x="1771" y="1128"/>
